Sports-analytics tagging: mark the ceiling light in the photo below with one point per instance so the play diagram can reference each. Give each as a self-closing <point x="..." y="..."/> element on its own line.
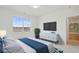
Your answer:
<point x="35" y="6"/>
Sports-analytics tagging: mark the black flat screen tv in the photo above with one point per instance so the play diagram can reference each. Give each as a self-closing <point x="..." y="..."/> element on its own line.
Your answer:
<point x="50" y="26"/>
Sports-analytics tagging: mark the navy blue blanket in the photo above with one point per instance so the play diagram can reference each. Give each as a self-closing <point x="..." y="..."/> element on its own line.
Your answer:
<point x="39" y="47"/>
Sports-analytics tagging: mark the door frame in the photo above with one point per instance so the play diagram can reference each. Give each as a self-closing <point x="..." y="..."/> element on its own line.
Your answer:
<point x="67" y="30"/>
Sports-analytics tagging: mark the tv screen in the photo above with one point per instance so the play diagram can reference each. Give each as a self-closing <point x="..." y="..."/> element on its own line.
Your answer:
<point x="50" y="26"/>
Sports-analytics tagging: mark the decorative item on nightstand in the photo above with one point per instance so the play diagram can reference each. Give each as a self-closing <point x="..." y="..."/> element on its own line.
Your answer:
<point x="37" y="32"/>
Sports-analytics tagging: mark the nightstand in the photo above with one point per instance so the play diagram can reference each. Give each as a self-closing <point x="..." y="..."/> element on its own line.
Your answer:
<point x="59" y="48"/>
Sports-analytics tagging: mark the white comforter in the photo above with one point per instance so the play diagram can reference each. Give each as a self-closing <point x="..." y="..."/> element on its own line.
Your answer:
<point x="16" y="46"/>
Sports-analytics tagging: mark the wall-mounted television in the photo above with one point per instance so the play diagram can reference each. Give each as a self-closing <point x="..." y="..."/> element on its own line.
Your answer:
<point x="50" y="26"/>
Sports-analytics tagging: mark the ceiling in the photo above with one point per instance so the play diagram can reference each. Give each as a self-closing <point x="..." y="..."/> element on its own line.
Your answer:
<point x="42" y="10"/>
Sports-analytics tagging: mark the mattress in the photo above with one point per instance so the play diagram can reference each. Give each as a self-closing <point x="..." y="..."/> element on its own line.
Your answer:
<point x="28" y="49"/>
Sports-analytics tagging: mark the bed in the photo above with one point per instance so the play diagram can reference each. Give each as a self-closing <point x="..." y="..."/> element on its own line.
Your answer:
<point x="21" y="45"/>
<point x="17" y="46"/>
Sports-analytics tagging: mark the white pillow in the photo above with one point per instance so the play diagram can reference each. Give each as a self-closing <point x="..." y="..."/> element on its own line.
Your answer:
<point x="49" y="36"/>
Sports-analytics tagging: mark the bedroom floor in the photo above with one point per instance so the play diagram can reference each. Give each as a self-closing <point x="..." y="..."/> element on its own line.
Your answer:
<point x="68" y="48"/>
<point x="71" y="49"/>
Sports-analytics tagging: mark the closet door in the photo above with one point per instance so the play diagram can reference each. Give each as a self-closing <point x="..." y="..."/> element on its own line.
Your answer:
<point x="73" y="38"/>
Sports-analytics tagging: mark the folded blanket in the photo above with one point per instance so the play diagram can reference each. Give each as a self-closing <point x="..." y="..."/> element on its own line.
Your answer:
<point x="39" y="47"/>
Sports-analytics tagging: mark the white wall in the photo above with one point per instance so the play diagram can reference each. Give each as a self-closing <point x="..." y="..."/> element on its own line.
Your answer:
<point x="6" y="23"/>
<point x="60" y="16"/>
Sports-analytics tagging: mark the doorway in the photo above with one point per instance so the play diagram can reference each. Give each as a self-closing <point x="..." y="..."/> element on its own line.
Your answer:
<point x="73" y="30"/>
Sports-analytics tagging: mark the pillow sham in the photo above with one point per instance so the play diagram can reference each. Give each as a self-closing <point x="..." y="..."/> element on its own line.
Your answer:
<point x="11" y="45"/>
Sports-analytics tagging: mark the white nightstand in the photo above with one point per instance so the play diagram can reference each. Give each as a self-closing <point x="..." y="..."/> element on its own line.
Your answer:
<point x="59" y="47"/>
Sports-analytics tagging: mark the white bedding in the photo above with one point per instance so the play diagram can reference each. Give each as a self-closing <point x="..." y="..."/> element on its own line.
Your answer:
<point x="28" y="49"/>
<point x="11" y="46"/>
<point x="17" y="46"/>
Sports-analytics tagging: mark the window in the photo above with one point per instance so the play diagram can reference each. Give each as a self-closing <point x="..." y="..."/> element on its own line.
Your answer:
<point x="21" y="23"/>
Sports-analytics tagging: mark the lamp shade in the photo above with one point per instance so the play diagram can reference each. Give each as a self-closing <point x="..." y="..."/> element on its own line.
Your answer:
<point x="2" y="33"/>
